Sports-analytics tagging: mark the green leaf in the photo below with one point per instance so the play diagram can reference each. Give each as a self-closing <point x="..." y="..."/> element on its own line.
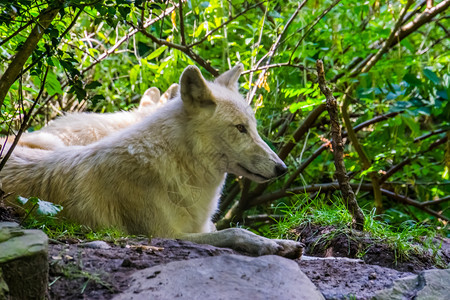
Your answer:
<point x="431" y="76"/>
<point x="157" y="52"/>
<point x="53" y="85"/>
<point x="93" y="85"/>
<point x="47" y="208"/>
<point x="412" y="124"/>
<point x="143" y="49"/>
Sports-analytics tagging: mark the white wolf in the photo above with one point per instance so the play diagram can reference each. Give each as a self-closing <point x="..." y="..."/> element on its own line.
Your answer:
<point x="86" y="128"/>
<point x="162" y="176"/>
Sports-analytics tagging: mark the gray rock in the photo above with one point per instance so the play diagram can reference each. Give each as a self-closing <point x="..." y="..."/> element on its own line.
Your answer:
<point x="437" y="285"/>
<point x="96" y="245"/>
<point x="428" y="285"/>
<point x="223" y="277"/>
<point x="23" y="261"/>
<point x="8" y="225"/>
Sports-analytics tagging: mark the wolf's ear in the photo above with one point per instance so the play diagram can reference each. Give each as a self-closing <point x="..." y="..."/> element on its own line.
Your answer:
<point x="171" y="93"/>
<point x="194" y="90"/>
<point x="150" y="97"/>
<point x="230" y="78"/>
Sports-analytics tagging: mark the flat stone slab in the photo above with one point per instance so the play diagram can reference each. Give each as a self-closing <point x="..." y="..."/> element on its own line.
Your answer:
<point x="428" y="285"/>
<point x="223" y="277"/>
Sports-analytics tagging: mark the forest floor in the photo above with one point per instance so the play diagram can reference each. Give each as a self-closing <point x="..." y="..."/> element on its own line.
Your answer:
<point x="78" y="272"/>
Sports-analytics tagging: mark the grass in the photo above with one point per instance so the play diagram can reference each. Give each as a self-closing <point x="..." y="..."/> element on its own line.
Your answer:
<point x="57" y="229"/>
<point x="403" y="238"/>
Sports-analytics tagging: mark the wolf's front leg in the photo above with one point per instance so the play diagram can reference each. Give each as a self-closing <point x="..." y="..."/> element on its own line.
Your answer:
<point x="244" y="240"/>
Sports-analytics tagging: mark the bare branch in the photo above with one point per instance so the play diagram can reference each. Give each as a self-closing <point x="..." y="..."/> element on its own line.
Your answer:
<point x="437" y="201"/>
<point x="333" y="186"/>
<point x="224" y="24"/>
<point x="25" y="121"/>
<point x="338" y="151"/>
<point x="407" y="161"/>
<point x="33" y="63"/>
<point x="271" y="53"/>
<point x="404" y="31"/>
<point x="414" y="203"/>
<point x="314" y="23"/>
<point x="180" y="12"/>
<point x="128" y="36"/>
<point x="185" y="49"/>
<point x="301" y="130"/>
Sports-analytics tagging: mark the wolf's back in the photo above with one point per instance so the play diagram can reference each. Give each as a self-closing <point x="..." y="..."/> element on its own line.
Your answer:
<point x="32" y="172"/>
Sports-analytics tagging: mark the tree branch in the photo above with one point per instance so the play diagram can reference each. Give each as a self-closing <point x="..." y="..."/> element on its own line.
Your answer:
<point x="314" y="23"/>
<point x="180" y="11"/>
<point x="25" y="121"/>
<point x="338" y="147"/>
<point x="16" y="32"/>
<point x="407" y="161"/>
<point x="271" y="53"/>
<point x="224" y="24"/>
<point x="414" y="203"/>
<point x="434" y="202"/>
<point x="14" y="68"/>
<point x="301" y="130"/>
<point x="333" y="186"/>
<point x="387" y="44"/>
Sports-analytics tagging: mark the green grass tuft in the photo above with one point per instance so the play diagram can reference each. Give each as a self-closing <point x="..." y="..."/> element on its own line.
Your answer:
<point x="403" y="238"/>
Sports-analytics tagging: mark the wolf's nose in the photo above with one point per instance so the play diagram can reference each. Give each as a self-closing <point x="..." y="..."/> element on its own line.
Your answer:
<point x="280" y="169"/>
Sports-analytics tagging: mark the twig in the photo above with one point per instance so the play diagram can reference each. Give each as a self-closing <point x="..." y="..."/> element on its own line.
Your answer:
<point x="25" y="120"/>
<point x="127" y="36"/>
<point x="14" y="68"/>
<point x="277" y="65"/>
<point x="404" y="31"/>
<point x="444" y="38"/>
<point x="33" y="63"/>
<point x="333" y="186"/>
<point x="271" y="53"/>
<point x="437" y="201"/>
<point x="16" y="32"/>
<point x="301" y="130"/>
<point x="314" y="23"/>
<point x="414" y="203"/>
<point x="407" y="161"/>
<point x="389" y="40"/>
<point x="338" y="147"/>
<point x="224" y="24"/>
<point x="180" y="12"/>
<point x="185" y="49"/>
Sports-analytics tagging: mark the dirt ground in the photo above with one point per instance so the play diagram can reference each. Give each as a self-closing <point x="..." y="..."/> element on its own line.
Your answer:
<point x="84" y="273"/>
<point x="78" y="272"/>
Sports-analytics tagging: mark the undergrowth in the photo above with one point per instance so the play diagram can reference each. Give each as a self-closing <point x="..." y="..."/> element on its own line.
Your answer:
<point x="58" y="229"/>
<point x="403" y="238"/>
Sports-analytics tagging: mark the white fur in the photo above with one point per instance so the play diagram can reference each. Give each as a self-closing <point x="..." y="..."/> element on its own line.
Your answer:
<point x="86" y="128"/>
<point x="162" y="176"/>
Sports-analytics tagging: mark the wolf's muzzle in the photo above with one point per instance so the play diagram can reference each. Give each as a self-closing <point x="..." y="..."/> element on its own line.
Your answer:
<point x="280" y="169"/>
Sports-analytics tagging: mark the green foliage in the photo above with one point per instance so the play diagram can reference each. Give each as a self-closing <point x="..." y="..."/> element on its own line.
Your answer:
<point x="43" y="208"/>
<point x="406" y="238"/>
<point x="101" y="64"/>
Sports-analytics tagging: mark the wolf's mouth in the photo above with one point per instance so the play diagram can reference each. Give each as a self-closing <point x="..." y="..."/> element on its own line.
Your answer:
<point x="251" y="173"/>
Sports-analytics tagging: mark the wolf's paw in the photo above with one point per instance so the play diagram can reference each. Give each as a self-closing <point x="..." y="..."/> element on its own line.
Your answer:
<point x="290" y="249"/>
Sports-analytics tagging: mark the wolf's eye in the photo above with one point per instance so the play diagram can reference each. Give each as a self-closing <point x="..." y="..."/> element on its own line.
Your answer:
<point x="241" y="128"/>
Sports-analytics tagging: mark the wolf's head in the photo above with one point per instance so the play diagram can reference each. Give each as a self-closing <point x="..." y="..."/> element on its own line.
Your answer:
<point x="225" y="125"/>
